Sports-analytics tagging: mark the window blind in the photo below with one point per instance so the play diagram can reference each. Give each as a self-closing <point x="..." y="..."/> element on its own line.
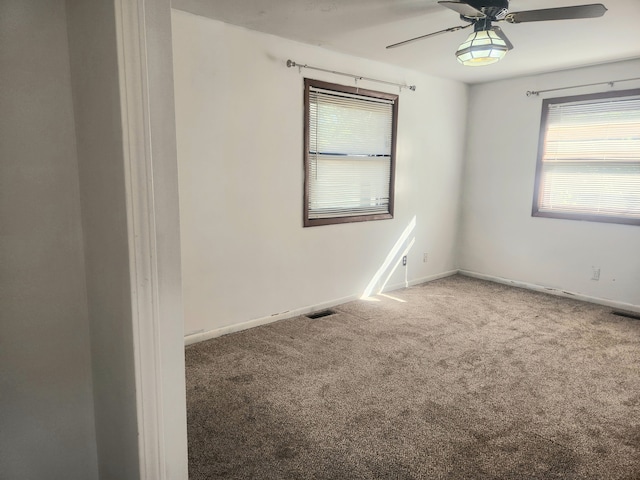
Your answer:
<point x="590" y="163"/>
<point x="349" y="157"/>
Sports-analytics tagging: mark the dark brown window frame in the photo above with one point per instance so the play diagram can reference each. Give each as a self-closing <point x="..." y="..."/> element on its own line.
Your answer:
<point x="535" y="212"/>
<point x="357" y="91"/>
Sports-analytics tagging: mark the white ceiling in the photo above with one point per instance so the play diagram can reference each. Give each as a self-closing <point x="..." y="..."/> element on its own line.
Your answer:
<point x="365" y="27"/>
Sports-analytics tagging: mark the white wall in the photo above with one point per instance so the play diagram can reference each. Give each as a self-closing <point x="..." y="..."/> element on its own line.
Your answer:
<point x="239" y="113"/>
<point x="46" y="403"/>
<point x="96" y="98"/>
<point x="498" y="236"/>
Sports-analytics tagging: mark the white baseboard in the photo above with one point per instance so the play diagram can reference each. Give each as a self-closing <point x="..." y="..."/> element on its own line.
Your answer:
<point x="201" y="336"/>
<point x="237" y="327"/>
<point x="418" y="281"/>
<point x="553" y="291"/>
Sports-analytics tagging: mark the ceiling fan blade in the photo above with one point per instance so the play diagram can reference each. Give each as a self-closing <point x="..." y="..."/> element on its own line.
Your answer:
<point x="501" y="34"/>
<point x="561" y="13"/>
<point x="433" y="34"/>
<point x="463" y="9"/>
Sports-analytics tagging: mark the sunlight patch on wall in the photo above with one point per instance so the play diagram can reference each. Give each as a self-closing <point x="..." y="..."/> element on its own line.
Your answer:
<point x="394" y="254"/>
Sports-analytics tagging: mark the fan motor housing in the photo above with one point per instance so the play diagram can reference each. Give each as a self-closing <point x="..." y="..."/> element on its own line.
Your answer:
<point x="493" y="9"/>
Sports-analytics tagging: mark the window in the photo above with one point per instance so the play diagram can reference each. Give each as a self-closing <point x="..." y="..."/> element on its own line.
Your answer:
<point x="589" y="158"/>
<point x="349" y="157"/>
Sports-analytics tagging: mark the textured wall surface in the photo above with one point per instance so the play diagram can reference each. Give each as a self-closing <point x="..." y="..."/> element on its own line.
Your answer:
<point x="96" y="98"/>
<point x="46" y="403"/>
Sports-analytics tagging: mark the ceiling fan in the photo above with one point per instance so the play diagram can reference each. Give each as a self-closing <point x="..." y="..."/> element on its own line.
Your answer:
<point x="488" y="43"/>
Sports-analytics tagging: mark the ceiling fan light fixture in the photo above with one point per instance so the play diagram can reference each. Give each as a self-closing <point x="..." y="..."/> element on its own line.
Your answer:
<point x="483" y="47"/>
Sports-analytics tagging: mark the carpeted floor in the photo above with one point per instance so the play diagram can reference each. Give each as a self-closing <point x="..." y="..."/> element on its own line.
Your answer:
<point x="457" y="378"/>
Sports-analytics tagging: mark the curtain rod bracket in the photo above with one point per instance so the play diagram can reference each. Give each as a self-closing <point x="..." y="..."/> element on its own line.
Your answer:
<point x="291" y="63"/>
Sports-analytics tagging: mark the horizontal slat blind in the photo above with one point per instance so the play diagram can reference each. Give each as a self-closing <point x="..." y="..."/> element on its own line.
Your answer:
<point x="605" y="189"/>
<point x="349" y="157"/>
<point x="591" y="158"/>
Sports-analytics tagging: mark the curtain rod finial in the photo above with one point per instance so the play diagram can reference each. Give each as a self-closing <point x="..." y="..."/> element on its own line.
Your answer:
<point x="291" y="63"/>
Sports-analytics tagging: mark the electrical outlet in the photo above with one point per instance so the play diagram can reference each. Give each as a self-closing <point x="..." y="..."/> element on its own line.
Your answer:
<point x="596" y="273"/>
<point x="425" y="258"/>
<point x="404" y="260"/>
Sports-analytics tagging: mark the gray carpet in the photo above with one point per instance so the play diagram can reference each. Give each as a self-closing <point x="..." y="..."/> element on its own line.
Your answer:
<point x="462" y="379"/>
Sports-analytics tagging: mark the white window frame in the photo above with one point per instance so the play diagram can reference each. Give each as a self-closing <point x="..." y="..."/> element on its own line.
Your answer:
<point x="339" y="214"/>
<point x="597" y="198"/>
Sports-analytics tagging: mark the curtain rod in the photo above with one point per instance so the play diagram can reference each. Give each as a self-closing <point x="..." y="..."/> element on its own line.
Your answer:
<point x="291" y="63"/>
<point x="610" y="83"/>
